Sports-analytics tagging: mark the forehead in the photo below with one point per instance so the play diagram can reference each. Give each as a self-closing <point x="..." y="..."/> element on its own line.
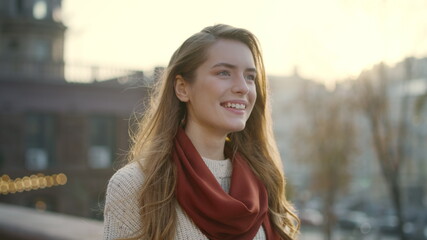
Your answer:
<point x="230" y="51"/>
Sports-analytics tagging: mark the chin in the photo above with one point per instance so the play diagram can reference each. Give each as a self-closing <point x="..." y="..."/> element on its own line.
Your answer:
<point x="237" y="128"/>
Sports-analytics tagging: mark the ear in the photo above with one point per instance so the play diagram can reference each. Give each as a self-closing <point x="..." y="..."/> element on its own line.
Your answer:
<point x="181" y="90"/>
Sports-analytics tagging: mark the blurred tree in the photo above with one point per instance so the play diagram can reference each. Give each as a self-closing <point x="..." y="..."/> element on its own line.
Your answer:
<point x="388" y="129"/>
<point x="325" y="139"/>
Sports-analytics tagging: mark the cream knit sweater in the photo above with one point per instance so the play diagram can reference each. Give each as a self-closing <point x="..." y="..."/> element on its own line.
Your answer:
<point x="122" y="215"/>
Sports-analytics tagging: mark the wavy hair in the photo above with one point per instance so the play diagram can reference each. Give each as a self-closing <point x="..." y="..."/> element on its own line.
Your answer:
<point x="153" y="139"/>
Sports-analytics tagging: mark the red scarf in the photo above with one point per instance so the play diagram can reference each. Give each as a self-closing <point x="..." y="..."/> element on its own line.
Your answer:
<point x="220" y="216"/>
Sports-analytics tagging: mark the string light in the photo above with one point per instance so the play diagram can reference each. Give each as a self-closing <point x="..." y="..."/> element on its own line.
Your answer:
<point x="28" y="183"/>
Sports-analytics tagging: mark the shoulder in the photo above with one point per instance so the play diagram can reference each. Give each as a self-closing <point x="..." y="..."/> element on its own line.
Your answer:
<point x="122" y="205"/>
<point x="125" y="185"/>
<point x="131" y="175"/>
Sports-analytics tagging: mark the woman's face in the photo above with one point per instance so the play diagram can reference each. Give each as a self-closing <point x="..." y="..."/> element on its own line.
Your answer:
<point x="223" y="93"/>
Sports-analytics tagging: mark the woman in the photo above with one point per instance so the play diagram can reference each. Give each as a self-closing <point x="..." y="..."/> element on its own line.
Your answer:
<point x="204" y="164"/>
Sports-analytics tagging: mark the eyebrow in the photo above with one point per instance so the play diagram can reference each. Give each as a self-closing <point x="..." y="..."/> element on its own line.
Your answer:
<point x="228" y="65"/>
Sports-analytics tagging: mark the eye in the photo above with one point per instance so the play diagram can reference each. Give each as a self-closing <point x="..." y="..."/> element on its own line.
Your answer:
<point x="224" y="73"/>
<point x="251" y="77"/>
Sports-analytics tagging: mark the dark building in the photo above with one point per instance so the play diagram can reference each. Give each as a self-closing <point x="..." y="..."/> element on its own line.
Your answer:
<point x="51" y="125"/>
<point x="32" y="40"/>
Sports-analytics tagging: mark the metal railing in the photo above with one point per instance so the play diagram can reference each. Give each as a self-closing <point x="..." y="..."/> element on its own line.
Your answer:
<point x="80" y="73"/>
<point x="91" y="73"/>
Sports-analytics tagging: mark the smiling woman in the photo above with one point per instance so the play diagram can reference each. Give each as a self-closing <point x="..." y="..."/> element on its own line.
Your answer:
<point x="221" y="95"/>
<point x="204" y="164"/>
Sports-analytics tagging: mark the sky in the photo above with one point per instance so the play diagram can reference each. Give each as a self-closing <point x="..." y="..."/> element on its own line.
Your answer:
<point x="326" y="40"/>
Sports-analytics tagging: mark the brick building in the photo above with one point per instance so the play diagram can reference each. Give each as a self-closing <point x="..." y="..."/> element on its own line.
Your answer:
<point x="49" y="124"/>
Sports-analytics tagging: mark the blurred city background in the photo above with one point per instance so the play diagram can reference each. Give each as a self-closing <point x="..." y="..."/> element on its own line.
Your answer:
<point x="353" y="142"/>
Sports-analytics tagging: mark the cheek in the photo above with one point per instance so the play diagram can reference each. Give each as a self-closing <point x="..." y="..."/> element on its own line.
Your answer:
<point x="253" y="94"/>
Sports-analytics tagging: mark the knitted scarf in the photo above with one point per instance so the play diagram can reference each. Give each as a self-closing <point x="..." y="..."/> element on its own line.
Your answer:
<point x="236" y="215"/>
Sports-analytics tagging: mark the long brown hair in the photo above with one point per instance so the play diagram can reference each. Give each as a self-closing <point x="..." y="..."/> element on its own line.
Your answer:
<point x="153" y="139"/>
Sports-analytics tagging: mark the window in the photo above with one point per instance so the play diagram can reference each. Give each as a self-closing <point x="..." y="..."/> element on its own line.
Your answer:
<point x="40" y="9"/>
<point x="39" y="141"/>
<point x="101" y="130"/>
<point x="40" y="49"/>
<point x="19" y="6"/>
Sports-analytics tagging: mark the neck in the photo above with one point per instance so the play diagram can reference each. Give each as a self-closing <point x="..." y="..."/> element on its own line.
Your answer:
<point x="208" y="143"/>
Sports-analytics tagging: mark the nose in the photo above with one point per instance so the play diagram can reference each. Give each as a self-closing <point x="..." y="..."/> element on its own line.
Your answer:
<point x="240" y="86"/>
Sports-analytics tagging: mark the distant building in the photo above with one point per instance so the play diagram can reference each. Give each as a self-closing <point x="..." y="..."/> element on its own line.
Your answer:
<point x="287" y="115"/>
<point x="50" y="125"/>
<point x="32" y="40"/>
<point x="407" y="79"/>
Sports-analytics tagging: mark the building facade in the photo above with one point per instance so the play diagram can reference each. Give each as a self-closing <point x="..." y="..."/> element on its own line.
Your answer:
<point x="50" y="125"/>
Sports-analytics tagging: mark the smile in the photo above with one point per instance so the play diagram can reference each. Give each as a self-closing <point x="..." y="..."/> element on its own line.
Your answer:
<point x="239" y="106"/>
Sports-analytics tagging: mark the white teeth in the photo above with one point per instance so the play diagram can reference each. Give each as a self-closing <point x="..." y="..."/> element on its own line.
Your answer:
<point x="235" y="105"/>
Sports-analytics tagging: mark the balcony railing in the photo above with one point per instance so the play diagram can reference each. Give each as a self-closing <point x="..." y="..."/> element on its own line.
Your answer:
<point x="47" y="71"/>
<point x="88" y="73"/>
